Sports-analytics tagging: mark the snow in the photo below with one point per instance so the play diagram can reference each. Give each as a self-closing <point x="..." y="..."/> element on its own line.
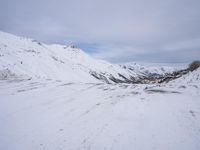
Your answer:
<point x="46" y="104"/>
<point x="151" y="68"/>
<point x="6" y="74"/>
<point x="56" y="115"/>
<point x="190" y="78"/>
<point x="28" y="57"/>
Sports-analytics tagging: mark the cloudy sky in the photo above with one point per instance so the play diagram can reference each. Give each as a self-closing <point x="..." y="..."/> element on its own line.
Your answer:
<point x="115" y="30"/>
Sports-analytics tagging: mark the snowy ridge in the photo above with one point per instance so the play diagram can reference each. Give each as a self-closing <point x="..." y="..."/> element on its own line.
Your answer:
<point x="190" y="78"/>
<point x="149" y="71"/>
<point x="24" y="56"/>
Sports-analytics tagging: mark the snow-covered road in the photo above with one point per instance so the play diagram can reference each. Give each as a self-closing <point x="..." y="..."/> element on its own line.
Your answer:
<point x="56" y="115"/>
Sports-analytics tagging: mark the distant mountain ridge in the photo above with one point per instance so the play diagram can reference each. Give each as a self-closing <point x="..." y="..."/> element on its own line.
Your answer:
<point x="33" y="59"/>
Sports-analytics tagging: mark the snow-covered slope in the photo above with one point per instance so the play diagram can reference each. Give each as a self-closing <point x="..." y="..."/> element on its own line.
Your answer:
<point x="40" y="114"/>
<point x="190" y="78"/>
<point x="30" y="58"/>
<point x="149" y="71"/>
<point x="43" y="105"/>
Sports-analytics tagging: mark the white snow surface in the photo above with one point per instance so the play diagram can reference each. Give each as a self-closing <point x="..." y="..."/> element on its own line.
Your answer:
<point x="49" y="103"/>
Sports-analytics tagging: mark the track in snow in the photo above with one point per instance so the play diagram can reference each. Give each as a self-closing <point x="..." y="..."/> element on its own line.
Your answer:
<point x="55" y="115"/>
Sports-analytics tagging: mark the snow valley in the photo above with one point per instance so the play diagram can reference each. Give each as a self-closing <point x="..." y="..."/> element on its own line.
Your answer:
<point x="55" y="97"/>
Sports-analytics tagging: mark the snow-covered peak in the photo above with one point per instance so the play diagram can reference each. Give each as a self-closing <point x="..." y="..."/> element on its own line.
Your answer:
<point x="31" y="58"/>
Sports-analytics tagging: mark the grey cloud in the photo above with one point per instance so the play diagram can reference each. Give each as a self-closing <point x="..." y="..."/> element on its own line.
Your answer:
<point x="128" y="29"/>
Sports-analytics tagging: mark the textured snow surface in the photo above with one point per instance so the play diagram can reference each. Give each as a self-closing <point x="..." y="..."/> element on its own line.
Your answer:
<point x="6" y="74"/>
<point x="49" y="101"/>
<point x="54" y="115"/>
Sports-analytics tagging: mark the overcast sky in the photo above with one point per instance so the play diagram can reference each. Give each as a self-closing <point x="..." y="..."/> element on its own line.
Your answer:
<point x="115" y="30"/>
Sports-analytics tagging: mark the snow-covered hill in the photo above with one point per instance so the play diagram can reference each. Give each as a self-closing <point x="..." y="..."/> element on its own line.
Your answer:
<point x="190" y="78"/>
<point x="33" y="59"/>
<point x="51" y="98"/>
